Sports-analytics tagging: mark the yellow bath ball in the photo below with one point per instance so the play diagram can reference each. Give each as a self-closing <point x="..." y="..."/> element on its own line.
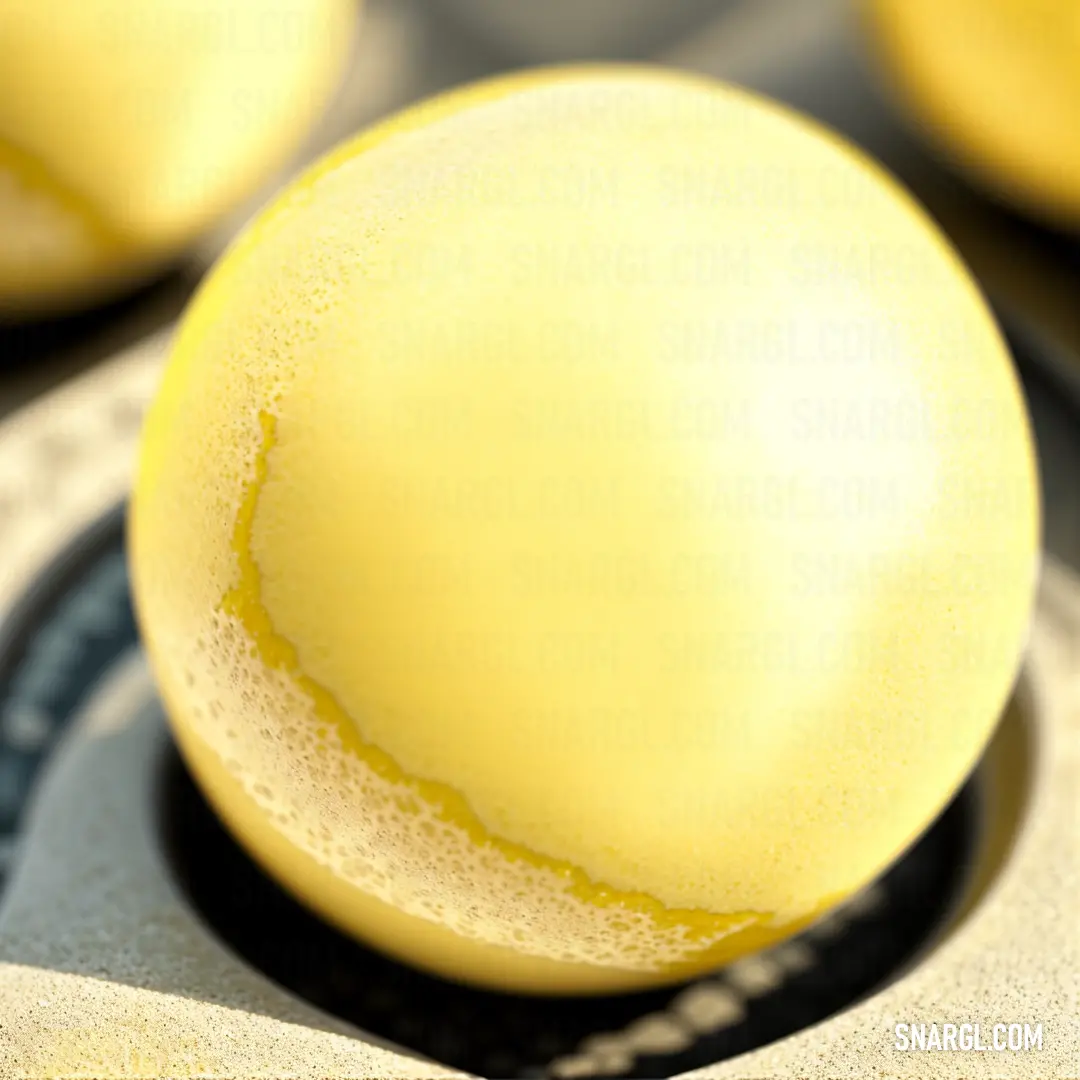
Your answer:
<point x="996" y="86"/>
<point x="127" y="127"/>
<point x="587" y="528"/>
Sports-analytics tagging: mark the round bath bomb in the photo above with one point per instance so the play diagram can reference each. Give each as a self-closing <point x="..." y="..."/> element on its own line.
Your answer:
<point x="128" y="127"/>
<point x="587" y="528"/>
<point x="995" y="84"/>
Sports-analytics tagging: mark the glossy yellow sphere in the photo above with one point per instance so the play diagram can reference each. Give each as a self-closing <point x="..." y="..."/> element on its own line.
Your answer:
<point x="588" y="527"/>
<point x="996" y="86"/>
<point x="128" y="126"/>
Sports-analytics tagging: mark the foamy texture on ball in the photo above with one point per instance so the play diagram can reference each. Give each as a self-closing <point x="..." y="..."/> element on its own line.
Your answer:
<point x="382" y="838"/>
<point x="250" y="354"/>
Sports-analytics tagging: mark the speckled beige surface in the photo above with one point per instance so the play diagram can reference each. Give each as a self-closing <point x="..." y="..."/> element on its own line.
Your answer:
<point x="104" y="972"/>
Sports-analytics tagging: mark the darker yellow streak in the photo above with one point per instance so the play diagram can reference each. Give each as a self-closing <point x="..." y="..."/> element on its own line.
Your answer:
<point x="244" y="602"/>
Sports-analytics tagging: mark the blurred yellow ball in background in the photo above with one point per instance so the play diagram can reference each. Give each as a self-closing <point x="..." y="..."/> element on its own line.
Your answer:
<point x="996" y="84"/>
<point x="587" y="528"/>
<point x="128" y="127"/>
